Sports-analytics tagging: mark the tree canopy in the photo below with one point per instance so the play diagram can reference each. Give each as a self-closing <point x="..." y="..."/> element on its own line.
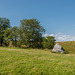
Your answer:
<point x="4" y="24"/>
<point x="48" y="42"/>
<point x="31" y="32"/>
<point x="11" y="35"/>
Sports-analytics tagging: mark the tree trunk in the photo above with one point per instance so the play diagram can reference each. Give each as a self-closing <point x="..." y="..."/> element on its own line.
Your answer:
<point x="1" y="41"/>
<point x="15" y="42"/>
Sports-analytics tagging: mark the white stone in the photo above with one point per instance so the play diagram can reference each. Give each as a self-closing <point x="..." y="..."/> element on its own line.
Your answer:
<point x="58" y="48"/>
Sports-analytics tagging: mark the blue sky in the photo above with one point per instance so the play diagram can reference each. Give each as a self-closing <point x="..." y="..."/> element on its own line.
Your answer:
<point x="56" y="16"/>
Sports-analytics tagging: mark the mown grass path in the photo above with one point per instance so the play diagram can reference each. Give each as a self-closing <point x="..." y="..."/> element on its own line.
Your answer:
<point x="15" y="61"/>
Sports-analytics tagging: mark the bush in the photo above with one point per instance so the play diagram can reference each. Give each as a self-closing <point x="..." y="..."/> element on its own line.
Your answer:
<point x="48" y="42"/>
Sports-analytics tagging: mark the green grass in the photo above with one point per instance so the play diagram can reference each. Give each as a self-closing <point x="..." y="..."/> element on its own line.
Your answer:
<point x="69" y="46"/>
<point x="16" y="61"/>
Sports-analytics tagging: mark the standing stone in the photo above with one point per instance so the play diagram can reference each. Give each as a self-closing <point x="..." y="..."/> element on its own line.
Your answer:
<point x="58" y="48"/>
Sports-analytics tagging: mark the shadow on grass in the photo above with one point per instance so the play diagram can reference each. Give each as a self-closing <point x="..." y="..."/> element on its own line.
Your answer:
<point x="65" y="52"/>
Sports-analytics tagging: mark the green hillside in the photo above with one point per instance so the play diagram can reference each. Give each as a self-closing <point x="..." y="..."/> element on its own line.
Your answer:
<point x="15" y="61"/>
<point x="69" y="46"/>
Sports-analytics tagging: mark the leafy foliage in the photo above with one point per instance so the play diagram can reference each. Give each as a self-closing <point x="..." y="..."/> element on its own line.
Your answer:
<point x="4" y="24"/>
<point x="28" y="34"/>
<point x="31" y="32"/>
<point x="48" y="42"/>
<point x="11" y="35"/>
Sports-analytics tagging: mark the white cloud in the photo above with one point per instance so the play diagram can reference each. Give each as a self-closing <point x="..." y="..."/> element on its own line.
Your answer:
<point x="51" y="35"/>
<point x="61" y="37"/>
<point x="45" y="35"/>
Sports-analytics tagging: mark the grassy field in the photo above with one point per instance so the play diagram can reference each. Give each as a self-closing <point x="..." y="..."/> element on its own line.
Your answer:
<point x="69" y="46"/>
<point x="16" y="61"/>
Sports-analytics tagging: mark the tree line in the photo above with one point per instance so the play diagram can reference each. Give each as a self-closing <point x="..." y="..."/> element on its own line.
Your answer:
<point x="28" y="34"/>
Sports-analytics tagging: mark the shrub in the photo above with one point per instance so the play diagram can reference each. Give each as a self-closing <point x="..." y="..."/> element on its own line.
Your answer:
<point x="48" y="42"/>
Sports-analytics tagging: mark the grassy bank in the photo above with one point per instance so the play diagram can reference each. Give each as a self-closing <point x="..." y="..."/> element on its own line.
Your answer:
<point x="15" y="61"/>
<point x="69" y="46"/>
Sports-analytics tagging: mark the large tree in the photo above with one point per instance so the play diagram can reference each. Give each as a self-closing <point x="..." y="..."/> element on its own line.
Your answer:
<point x="31" y="32"/>
<point x="11" y="35"/>
<point x="4" y="24"/>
